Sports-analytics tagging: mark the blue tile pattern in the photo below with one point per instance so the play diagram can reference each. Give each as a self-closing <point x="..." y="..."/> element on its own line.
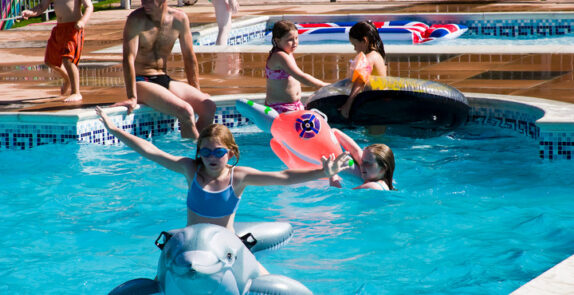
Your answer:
<point x="521" y="122"/>
<point x="237" y="36"/>
<point x="556" y="145"/>
<point x="519" y="28"/>
<point x="27" y="135"/>
<point x="149" y="123"/>
<point x="146" y="123"/>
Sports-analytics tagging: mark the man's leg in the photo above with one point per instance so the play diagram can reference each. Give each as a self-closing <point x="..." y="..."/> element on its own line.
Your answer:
<point x="161" y="99"/>
<point x="201" y="102"/>
<point x="74" y="78"/>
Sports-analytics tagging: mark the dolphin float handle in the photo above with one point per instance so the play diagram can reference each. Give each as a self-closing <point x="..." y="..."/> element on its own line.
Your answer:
<point x="166" y="236"/>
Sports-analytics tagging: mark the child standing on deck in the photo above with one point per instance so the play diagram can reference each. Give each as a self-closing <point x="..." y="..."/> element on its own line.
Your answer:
<point x="365" y="38"/>
<point x="284" y="77"/>
<point x="66" y="41"/>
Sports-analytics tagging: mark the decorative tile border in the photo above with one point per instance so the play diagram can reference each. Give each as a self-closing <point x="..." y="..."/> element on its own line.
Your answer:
<point x="546" y="122"/>
<point x="505" y="25"/>
<point x="24" y="131"/>
<point x="523" y="123"/>
<point x="241" y="33"/>
<point x="557" y="145"/>
<point x="85" y="127"/>
<point x="520" y="28"/>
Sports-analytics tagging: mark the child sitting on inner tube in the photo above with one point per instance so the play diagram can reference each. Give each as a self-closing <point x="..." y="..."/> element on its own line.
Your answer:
<point x="376" y="163"/>
<point x="366" y="40"/>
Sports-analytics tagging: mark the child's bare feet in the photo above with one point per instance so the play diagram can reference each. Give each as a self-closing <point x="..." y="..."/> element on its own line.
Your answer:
<point x="73" y="97"/>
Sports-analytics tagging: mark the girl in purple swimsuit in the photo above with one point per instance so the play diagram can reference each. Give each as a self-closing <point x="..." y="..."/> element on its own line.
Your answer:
<point x="284" y="77"/>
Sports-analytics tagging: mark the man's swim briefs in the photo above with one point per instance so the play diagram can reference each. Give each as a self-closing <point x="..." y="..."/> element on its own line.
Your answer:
<point x="162" y="80"/>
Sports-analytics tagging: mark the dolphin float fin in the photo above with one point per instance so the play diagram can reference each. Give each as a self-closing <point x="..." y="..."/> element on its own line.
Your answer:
<point x="137" y="286"/>
<point x="277" y="284"/>
<point x="291" y="159"/>
<point x="259" y="114"/>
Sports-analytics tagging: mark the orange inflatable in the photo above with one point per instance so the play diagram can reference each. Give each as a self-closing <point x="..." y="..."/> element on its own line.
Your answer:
<point x="301" y="138"/>
<point x="361" y="68"/>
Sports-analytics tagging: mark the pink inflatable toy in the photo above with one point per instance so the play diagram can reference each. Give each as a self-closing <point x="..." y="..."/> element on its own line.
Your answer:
<point x="301" y="138"/>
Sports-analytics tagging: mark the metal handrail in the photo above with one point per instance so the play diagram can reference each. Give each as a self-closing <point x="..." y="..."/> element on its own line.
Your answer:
<point x="11" y="10"/>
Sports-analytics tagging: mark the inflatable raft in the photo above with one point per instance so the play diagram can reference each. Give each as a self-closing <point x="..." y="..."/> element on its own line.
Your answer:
<point x="412" y="107"/>
<point x="400" y="31"/>
<point x="209" y="259"/>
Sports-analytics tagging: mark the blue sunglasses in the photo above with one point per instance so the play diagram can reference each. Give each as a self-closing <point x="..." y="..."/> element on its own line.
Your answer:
<point x="218" y="152"/>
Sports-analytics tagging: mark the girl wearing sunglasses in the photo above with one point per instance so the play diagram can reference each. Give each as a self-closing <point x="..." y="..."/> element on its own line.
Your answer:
<point x="215" y="187"/>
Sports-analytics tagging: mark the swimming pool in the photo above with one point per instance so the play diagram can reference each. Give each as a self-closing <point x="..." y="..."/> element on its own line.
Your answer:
<point x="474" y="213"/>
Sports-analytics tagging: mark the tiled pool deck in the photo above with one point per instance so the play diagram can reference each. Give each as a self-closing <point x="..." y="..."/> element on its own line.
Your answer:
<point x="502" y="83"/>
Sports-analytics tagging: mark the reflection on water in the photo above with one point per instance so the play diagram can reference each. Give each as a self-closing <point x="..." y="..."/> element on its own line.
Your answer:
<point x="227" y="64"/>
<point x="92" y="74"/>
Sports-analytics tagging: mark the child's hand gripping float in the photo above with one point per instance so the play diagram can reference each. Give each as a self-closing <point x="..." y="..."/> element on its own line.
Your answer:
<point x="300" y="138"/>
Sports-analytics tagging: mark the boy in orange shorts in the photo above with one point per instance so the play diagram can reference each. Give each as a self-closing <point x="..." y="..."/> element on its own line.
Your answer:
<point x="66" y="41"/>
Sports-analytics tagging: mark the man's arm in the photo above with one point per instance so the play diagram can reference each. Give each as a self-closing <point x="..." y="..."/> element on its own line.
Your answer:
<point x="189" y="58"/>
<point x="130" y="48"/>
<point x="36" y="10"/>
<point x="89" y="8"/>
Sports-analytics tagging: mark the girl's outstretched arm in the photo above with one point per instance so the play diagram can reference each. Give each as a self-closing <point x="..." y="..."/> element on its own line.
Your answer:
<point x="349" y="145"/>
<point x="144" y="147"/>
<point x="289" y="64"/>
<point x="331" y="166"/>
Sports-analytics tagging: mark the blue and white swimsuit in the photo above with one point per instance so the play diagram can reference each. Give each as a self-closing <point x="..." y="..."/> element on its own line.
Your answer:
<point x="212" y="204"/>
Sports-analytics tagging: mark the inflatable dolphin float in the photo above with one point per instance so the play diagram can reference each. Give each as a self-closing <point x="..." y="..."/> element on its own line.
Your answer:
<point x="209" y="259"/>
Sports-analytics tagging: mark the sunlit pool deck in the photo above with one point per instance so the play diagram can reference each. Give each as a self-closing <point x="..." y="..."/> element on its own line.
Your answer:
<point x="527" y="89"/>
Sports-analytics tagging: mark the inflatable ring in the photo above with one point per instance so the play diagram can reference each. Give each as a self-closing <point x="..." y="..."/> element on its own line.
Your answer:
<point x="411" y="107"/>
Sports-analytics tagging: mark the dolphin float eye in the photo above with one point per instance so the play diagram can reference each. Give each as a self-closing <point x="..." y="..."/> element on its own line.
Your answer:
<point x="229" y="256"/>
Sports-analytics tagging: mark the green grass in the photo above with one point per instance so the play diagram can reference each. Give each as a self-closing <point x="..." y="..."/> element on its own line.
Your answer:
<point x="98" y="6"/>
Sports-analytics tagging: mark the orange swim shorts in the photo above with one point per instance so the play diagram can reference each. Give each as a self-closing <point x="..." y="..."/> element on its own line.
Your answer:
<point x="65" y="41"/>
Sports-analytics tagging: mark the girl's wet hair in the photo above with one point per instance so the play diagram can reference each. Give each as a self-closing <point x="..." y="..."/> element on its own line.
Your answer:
<point x="386" y="159"/>
<point x="280" y="29"/>
<point x="367" y="29"/>
<point x="222" y="134"/>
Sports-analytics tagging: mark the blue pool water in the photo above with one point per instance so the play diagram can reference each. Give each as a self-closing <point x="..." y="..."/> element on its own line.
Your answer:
<point x="475" y="213"/>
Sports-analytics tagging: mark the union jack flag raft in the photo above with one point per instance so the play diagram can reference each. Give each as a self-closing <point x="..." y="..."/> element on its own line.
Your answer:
<point x="405" y="31"/>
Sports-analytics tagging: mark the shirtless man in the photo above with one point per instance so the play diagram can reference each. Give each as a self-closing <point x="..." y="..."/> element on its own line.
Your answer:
<point x="66" y="41"/>
<point x="149" y="36"/>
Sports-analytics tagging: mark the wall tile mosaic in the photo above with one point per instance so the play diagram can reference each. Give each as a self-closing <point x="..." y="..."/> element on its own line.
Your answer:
<point x="556" y="145"/>
<point x="520" y="28"/>
<point x="144" y="123"/>
<point x="237" y="36"/>
<point x="518" y="121"/>
<point x="148" y="123"/>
